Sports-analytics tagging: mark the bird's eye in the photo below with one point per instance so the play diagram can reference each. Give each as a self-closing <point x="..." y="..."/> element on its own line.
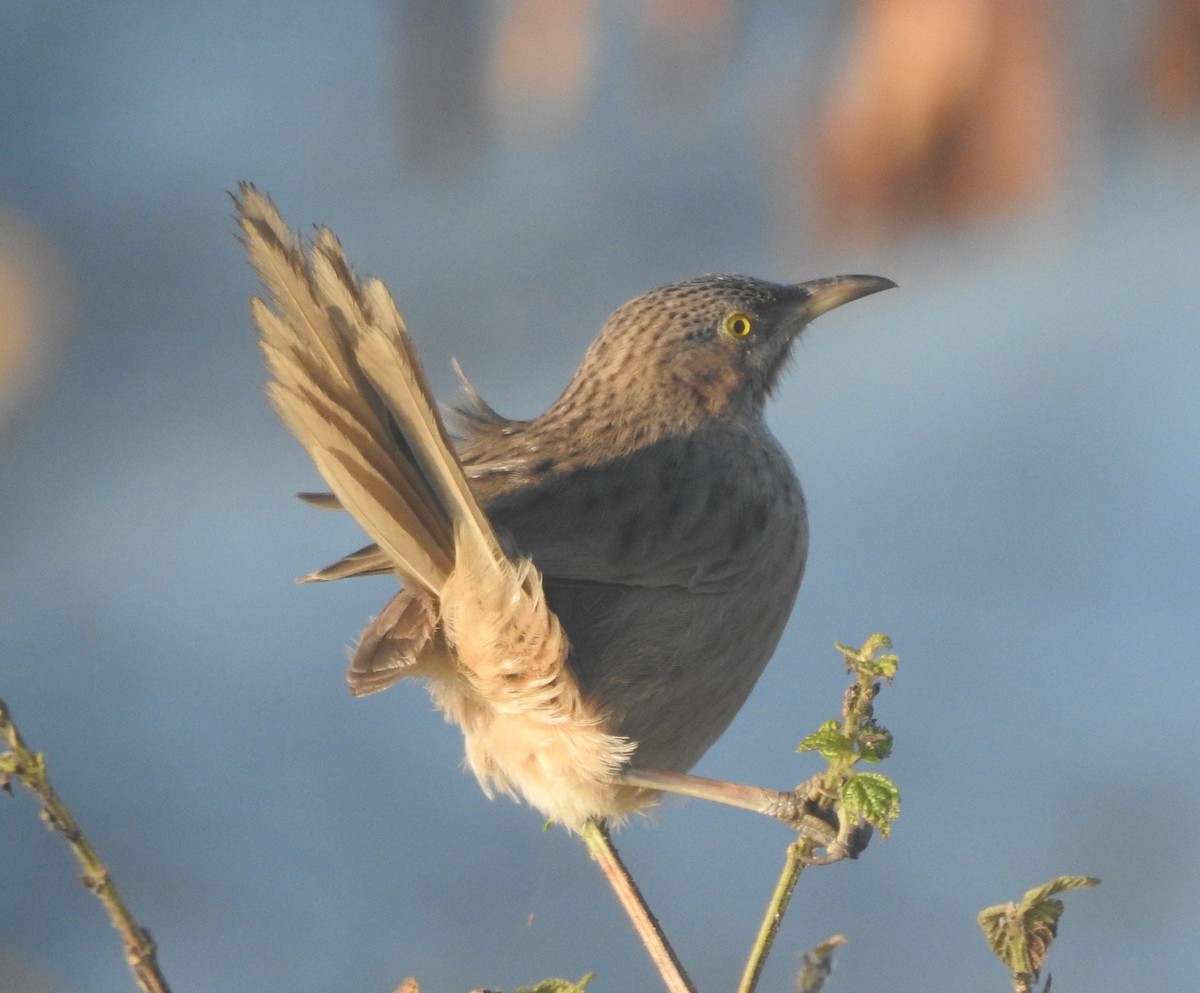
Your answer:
<point x="738" y="325"/>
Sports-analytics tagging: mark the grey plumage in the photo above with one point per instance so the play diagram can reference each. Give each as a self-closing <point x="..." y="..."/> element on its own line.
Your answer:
<point x="598" y="586"/>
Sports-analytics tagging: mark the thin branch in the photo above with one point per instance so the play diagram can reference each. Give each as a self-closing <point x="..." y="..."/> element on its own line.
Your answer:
<point x="30" y="768"/>
<point x="798" y="855"/>
<point x="601" y="848"/>
<point x="856" y="737"/>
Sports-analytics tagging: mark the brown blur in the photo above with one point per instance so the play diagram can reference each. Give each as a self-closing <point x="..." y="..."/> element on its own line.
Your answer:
<point x="34" y="310"/>
<point x="543" y="66"/>
<point x="1173" y="57"/>
<point x="940" y="112"/>
<point x="869" y="122"/>
<point x="945" y="111"/>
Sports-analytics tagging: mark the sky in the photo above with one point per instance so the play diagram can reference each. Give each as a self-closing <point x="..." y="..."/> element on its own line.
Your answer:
<point x="1001" y="460"/>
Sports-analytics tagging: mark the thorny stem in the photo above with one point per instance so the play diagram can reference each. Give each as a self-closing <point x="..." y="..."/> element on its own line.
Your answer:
<point x="30" y="768"/>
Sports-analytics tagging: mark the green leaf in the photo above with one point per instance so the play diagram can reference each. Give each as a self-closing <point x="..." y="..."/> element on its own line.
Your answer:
<point x="876" y="642"/>
<point x="872" y="797"/>
<point x="883" y="667"/>
<point x="875" y="743"/>
<point x="817" y="965"/>
<point x="863" y="661"/>
<point x="1059" y="885"/>
<point x="1020" y="935"/>
<point x="829" y="741"/>
<point x="1002" y="929"/>
<point x="557" y="986"/>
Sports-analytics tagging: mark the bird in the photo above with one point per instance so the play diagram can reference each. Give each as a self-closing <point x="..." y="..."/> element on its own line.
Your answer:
<point x="590" y="594"/>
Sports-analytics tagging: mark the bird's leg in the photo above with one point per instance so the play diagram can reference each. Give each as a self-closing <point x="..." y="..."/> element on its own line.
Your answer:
<point x="806" y="808"/>
<point x="602" y="850"/>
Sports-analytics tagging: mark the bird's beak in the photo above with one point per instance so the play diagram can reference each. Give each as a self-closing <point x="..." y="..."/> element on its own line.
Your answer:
<point x="822" y="295"/>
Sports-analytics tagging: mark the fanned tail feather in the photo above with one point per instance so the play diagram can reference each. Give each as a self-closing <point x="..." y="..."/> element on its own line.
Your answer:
<point x="475" y="623"/>
<point x="313" y="343"/>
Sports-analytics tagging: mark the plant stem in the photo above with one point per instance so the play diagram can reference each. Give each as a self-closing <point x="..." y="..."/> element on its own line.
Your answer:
<point x="602" y="850"/>
<point x="30" y="768"/>
<point x="776" y="907"/>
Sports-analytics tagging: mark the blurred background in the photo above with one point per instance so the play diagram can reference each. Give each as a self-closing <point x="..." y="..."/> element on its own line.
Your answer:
<point x="1002" y="460"/>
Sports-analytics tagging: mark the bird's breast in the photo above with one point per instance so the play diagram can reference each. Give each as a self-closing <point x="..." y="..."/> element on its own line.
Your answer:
<point x="673" y="570"/>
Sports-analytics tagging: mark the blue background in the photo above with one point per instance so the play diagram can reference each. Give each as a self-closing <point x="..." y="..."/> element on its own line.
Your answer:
<point x="1001" y="461"/>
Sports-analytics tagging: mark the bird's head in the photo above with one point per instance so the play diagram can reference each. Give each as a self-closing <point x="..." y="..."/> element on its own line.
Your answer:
<point x="708" y="348"/>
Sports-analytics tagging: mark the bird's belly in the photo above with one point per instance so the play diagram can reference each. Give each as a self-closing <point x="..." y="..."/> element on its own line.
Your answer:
<point x="672" y="668"/>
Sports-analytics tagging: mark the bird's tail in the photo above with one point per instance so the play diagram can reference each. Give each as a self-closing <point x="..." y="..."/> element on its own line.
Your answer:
<point x="348" y="384"/>
<point x="476" y="623"/>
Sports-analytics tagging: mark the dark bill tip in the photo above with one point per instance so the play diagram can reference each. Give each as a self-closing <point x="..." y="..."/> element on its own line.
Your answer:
<point x="822" y="295"/>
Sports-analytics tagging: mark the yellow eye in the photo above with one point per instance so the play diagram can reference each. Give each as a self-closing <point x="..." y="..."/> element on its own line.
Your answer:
<point x="738" y="324"/>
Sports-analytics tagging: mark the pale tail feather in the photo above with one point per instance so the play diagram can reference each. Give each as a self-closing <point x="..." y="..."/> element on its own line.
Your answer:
<point x="326" y="400"/>
<point x="402" y="641"/>
<point x="399" y="379"/>
<point x="370" y="483"/>
<point x="348" y="385"/>
<point x="368" y="561"/>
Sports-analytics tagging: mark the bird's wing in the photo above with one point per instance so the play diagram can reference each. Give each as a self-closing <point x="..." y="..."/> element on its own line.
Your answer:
<point x="660" y="517"/>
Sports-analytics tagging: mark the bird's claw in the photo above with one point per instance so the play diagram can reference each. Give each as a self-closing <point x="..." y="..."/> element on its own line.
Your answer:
<point x="808" y="809"/>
